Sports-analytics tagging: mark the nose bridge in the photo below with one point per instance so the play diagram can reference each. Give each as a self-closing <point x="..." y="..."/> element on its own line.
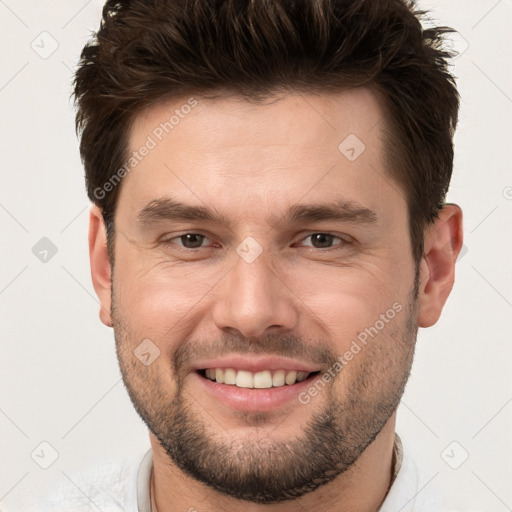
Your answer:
<point x="252" y="297"/>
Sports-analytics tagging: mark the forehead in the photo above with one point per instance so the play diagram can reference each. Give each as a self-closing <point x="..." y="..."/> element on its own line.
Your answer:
<point x="301" y="120"/>
<point x="324" y="146"/>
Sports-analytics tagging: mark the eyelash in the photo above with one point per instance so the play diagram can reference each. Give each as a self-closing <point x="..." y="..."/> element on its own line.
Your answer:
<point x="343" y="241"/>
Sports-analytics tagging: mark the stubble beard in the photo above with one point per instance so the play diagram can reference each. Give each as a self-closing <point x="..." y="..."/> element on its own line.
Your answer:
<point x="262" y="469"/>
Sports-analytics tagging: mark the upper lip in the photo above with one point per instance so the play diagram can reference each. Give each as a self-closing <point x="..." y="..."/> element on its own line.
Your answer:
<point x="256" y="364"/>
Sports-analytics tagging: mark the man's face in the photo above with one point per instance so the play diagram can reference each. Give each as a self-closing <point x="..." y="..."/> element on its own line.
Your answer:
<point x="262" y="291"/>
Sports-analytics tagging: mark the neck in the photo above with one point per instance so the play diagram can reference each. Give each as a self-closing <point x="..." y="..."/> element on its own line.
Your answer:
<point x="361" y="488"/>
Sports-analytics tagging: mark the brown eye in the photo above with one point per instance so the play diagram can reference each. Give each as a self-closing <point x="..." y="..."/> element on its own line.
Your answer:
<point x="322" y="240"/>
<point x="188" y="241"/>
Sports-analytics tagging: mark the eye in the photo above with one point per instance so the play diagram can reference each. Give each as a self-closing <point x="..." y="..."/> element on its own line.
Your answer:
<point x="188" y="240"/>
<point x="323" y="240"/>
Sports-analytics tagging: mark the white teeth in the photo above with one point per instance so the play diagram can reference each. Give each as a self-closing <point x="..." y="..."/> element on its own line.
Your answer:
<point x="290" y="378"/>
<point x="259" y="380"/>
<point x="263" y="380"/>
<point x="230" y="376"/>
<point x="219" y="376"/>
<point x="244" y="379"/>
<point x="278" y="378"/>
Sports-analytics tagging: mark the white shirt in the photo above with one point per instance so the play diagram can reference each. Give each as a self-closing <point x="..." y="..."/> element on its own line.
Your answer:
<point x="124" y="487"/>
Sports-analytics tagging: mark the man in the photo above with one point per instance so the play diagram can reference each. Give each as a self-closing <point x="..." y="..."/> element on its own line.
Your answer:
<point x="269" y="230"/>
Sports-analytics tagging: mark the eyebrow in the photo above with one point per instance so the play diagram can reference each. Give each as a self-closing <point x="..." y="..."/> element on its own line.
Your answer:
<point x="168" y="209"/>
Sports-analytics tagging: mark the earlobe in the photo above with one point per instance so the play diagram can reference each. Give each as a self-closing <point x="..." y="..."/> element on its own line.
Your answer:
<point x="100" y="263"/>
<point x="443" y="242"/>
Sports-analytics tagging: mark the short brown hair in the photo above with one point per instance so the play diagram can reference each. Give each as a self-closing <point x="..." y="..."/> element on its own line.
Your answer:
<point x="146" y="51"/>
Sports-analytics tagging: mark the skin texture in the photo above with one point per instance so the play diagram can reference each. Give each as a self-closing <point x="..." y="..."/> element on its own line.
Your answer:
<point x="250" y="163"/>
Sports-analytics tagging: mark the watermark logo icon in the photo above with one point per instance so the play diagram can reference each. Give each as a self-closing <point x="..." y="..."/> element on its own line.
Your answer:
<point x="352" y="147"/>
<point x="45" y="45"/>
<point x="44" y="250"/>
<point x="249" y="249"/>
<point x="147" y="352"/>
<point x="44" y="455"/>
<point x="455" y="455"/>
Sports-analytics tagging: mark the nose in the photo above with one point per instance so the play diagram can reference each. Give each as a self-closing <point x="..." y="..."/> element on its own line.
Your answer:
<point x="254" y="299"/>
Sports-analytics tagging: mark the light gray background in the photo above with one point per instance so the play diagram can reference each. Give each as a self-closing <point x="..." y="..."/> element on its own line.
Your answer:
<point x="59" y="379"/>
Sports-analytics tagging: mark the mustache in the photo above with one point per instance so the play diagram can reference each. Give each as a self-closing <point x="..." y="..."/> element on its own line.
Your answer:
<point x="318" y="352"/>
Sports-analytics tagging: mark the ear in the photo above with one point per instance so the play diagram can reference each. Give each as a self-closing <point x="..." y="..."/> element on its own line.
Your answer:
<point x="443" y="242"/>
<point x="100" y="263"/>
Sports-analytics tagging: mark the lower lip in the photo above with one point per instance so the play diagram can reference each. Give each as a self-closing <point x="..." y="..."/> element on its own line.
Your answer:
<point x="255" y="400"/>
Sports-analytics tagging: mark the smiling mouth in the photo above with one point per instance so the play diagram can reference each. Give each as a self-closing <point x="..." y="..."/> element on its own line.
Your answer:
<point x="255" y="380"/>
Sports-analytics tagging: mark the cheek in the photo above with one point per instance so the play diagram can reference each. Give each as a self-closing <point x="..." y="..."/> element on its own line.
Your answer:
<point x="157" y="300"/>
<point x="347" y="301"/>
